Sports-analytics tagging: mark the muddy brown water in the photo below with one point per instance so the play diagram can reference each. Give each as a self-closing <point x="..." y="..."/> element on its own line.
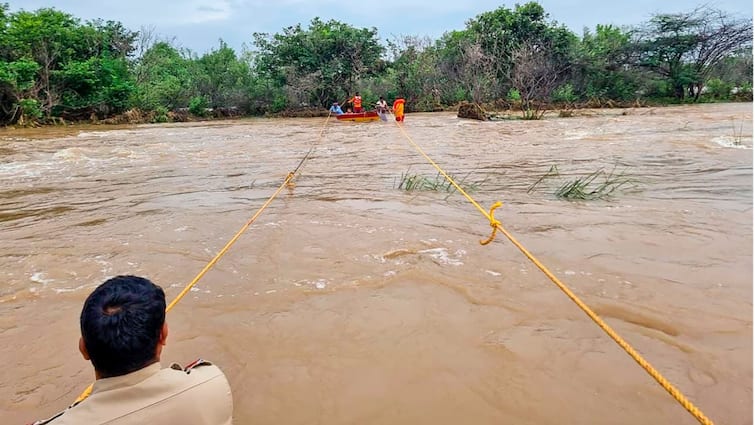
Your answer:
<point x="350" y="301"/>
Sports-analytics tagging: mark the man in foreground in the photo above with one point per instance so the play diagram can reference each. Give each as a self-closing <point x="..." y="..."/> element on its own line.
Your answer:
<point x="123" y="332"/>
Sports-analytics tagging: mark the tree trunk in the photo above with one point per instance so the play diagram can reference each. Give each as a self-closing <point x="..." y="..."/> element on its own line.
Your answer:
<point x="679" y="91"/>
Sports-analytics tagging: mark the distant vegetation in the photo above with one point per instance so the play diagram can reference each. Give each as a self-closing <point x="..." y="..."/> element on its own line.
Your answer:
<point x="53" y="67"/>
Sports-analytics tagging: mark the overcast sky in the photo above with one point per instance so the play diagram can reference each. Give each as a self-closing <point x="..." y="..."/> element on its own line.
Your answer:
<point x="199" y="24"/>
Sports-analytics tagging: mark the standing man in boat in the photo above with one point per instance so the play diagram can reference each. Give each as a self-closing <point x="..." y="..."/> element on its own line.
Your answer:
<point x="357" y="102"/>
<point x="123" y="332"/>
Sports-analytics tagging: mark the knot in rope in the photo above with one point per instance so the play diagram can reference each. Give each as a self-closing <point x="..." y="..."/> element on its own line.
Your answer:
<point x="493" y="223"/>
<point x="290" y="180"/>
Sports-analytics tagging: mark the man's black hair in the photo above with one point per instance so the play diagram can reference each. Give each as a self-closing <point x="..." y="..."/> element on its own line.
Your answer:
<point x="121" y="323"/>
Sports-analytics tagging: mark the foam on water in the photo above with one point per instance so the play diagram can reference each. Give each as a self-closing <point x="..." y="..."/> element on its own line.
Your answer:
<point x="442" y="256"/>
<point x="40" y="277"/>
<point x="732" y="142"/>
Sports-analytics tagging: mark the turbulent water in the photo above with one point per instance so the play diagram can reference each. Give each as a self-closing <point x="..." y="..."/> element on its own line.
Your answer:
<point x="352" y="301"/>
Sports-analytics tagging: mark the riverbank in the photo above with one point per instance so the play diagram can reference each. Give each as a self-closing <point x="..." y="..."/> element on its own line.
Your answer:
<point x="498" y="110"/>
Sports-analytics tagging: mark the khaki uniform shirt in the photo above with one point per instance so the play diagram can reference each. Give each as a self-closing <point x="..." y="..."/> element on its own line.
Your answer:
<point x="199" y="395"/>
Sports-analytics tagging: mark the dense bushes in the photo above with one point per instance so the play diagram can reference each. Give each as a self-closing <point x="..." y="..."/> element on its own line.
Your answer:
<point x="53" y="65"/>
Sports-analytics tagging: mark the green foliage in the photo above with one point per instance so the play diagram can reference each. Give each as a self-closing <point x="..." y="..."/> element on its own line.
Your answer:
<point x="160" y="115"/>
<point x="565" y="94"/>
<point x="18" y="75"/>
<point x="68" y="68"/>
<point x="735" y="68"/>
<point x="53" y="64"/>
<point x="222" y="78"/>
<point x="319" y="64"/>
<point x="279" y="103"/>
<point x="597" y="185"/>
<point x="414" y="74"/>
<point x="743" y="93"/>
<point x="685" y="48"/>
<point x="100" y="84"/>
<point x="30" y="110"/>
<point x="718" y="89"/>
<point x="587" y="189"/>
<point x="514" y="95"/>
<point x="601" y="61"/>
<point x="163" y="78"/>
<point x="198" y="105"/>
<point x="417" y="182"/>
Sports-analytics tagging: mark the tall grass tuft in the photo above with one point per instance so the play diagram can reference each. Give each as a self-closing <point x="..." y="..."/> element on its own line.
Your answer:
<point x="737" y="134"/>
<point x="597" y="185"/>
<point x="552" y="172"/>
<point x="417" y="182"/>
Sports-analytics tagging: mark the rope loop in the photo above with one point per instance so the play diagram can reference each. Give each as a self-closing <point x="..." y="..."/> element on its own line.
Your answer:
<point x="493" y="223"/>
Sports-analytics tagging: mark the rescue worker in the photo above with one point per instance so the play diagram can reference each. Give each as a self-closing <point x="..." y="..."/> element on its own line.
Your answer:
<point x="357" y="102"/>
<point x="381" y="105"/>
<point x="123" y="332"/>
<point x="336" y="109"/>
<point x="398" y="109"/>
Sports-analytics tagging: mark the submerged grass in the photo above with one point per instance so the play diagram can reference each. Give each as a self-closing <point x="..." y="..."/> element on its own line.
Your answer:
<point x="416" y="182"/>
<point x="737" y="134"/>
<point x="597" y="185"/>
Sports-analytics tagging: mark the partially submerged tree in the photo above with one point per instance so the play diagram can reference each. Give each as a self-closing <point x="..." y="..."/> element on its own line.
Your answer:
<point x="536" y="74"/>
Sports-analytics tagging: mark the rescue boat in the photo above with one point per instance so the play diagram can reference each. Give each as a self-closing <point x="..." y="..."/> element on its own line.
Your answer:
<point x="366" y="116"/>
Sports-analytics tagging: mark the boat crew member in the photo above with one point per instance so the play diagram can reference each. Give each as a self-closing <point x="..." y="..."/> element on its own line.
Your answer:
<point x="357" y="102"/>
<point x="398" y="109"/>
<point x="381" y="105"/>
<point x="123" y="332"/>
<point x="336" y="109"/>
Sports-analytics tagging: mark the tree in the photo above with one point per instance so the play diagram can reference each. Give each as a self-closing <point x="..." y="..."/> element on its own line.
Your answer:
<point x="163" y="78"/>
<point x="502" y="32"/>
<point x="535" y="76"/>
<point x="414" y="72"/>
<point x="684" y="48"/>
<point x="223" y="78"/>
<point x="319" y="64"/>
<point x="601" y="65"/>
<point x="17" y="80"/>
<point x="47" y="37"/>
<point x="735" y="68"/>
<point x="52" y="65"/>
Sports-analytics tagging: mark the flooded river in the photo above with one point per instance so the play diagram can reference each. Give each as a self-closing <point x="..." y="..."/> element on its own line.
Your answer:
<point x="352" y="301"/>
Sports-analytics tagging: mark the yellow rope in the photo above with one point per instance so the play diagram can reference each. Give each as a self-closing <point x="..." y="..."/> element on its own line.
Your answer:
<point x="228" y="245"/>
<point x="288" y="182"/>
<point x="688" y="405"/>
<point x="493" y="223"/>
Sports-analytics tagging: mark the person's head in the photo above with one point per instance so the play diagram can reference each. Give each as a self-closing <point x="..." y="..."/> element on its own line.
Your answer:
<point x="381" y="98"/>
<point x="357" y="93"/>
<point x="335" y="103"/>
<point x="123" y="326"/>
